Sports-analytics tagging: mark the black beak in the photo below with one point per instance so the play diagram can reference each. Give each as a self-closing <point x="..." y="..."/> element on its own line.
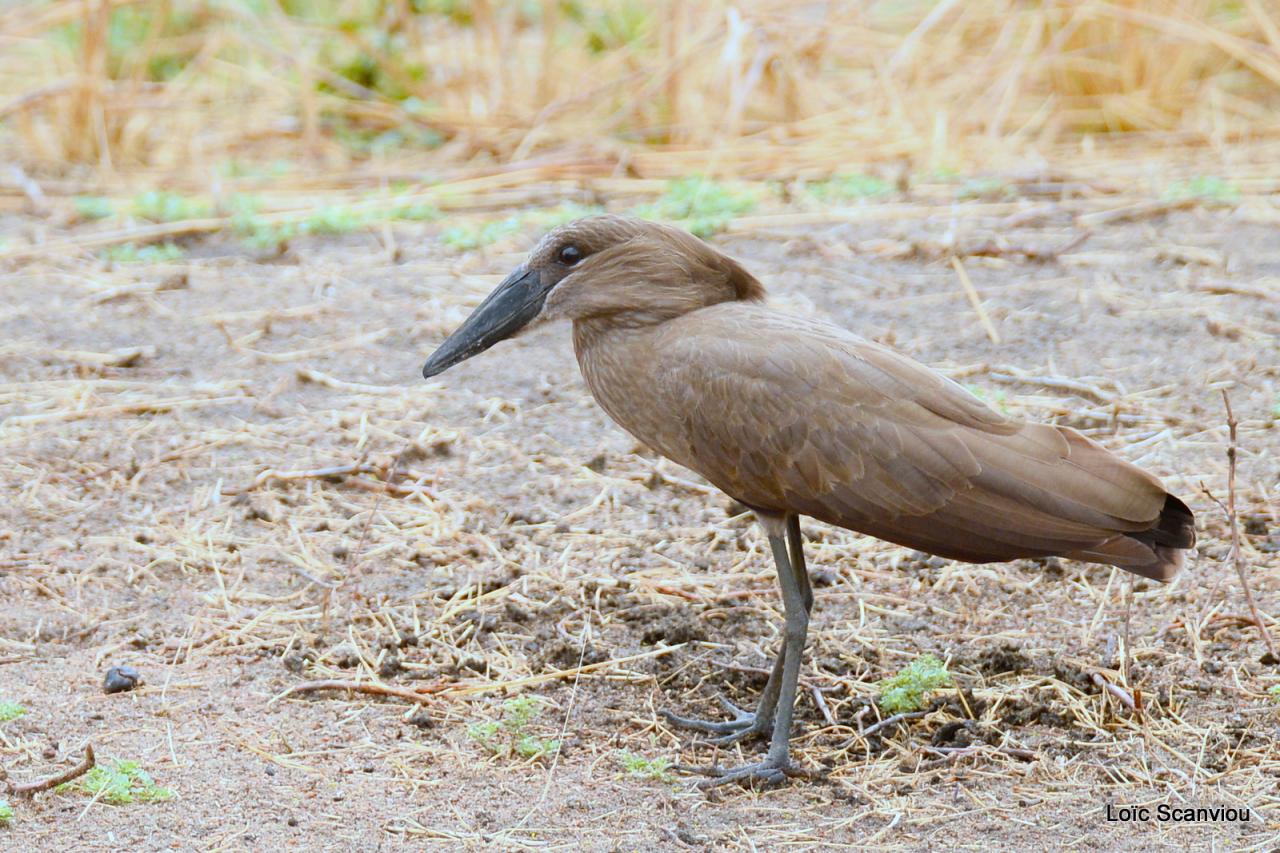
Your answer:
<point x="504" y="312"/>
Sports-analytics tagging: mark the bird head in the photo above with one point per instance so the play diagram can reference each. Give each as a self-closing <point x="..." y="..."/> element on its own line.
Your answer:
<point x="621" y="270"/>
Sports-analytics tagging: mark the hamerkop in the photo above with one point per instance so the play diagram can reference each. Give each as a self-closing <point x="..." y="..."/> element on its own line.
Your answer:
<point x="793" y="417"/>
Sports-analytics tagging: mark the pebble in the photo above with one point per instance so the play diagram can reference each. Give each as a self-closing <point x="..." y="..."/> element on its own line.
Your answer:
<point x="120" y="679"/>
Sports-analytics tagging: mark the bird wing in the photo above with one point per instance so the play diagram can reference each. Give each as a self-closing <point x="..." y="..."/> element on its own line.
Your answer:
<point x="786" y="414"/>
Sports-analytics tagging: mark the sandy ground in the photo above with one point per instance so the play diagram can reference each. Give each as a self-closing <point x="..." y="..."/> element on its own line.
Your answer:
<point x="528" y="547"/>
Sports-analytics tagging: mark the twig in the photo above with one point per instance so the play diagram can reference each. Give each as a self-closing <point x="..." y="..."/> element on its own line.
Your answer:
<point x="975" y="300"/>
<point x="1237" y="559"/>
<point x="998" y="248"/>
<point x="681" y="483"/>
<point x="951" y="753"/>
<point x="1138" y="210"/>
<point x="1115" y="690"/>
<point x="1052" y="253"/>
<point x="1016" y="752"/>
<point x="821" y="702"/>
<point x="371" y="687"/>
<point x="27" y="789"/>
<point x="1127" y="664"/>
<point x="271" y="474"/>
<point x="1009" y="375"/>
<point x="889" y="721"/>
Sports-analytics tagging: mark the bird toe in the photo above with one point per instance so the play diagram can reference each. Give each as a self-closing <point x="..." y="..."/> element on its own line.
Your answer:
<point x="763" y="774"/>
<point x="745" y="724"/>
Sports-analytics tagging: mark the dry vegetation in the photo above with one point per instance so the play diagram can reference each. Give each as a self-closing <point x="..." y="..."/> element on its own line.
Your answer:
<point x="369" y="611"/>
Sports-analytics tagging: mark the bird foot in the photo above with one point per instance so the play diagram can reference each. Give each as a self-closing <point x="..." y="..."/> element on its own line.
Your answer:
<point x="744" y="725"/>
<point x="763" y="774"/>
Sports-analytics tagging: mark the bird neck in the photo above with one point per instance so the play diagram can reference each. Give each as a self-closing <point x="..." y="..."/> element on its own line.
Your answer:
<point x="617" y="365"/>
<point x="590" y="332"/>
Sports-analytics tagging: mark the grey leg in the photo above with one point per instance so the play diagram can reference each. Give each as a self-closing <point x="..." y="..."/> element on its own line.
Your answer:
<point x="747" y="724"/>
<point x="777" y="765"/>
<point x="795" y="553"/>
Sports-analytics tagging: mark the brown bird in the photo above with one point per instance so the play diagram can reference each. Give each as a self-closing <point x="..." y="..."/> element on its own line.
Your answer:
<point x="796" y="417"/>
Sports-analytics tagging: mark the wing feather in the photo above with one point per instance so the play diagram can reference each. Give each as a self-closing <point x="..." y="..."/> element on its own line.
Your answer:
<point x="792" y="415"/>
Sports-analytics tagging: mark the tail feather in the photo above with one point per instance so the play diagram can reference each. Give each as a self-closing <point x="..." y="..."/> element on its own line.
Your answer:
<point x="1156" y="553"/>
<point x="1176" y="526"/>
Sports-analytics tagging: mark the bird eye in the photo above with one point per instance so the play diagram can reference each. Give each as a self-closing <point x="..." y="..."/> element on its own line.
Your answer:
<point x="570" y="255"/>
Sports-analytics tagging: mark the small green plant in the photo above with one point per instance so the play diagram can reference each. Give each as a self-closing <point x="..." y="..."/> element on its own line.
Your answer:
<point x="118" y="783"/>
<point x="330" y="219"/>
<point x="10" y="710"/>
<point x="996" y="399"/>
<point x="94" y="207"/>
<point x="6" y="813"/>
<point x="1274" y="692"/>
<point x="132" y="253"/>
<point x="459" y="11"/>
<point x="235" y="168"/>
<point x="334" y="219"/>
<point x="1205" y="187"/>
<point x="943" y="175"/>
<point x="847" y="187"/>
<point x="658" y="769"/>
<point x="474" y="235"/>
<point x="551" y="217"/>
<point x="619" y="25"/>
<point x="363" y="141"/>
<point x="985" y="187"/>
<point x="416" y="211"/>
<point x="130" y="30"/>
<point x="160" y="206"/>
<point x="702" y="206"/>
<point x="904" y="692"/>
<point x="509" y="735"/>
<point x="260" y="233"/>
<point x="536" y="747"/>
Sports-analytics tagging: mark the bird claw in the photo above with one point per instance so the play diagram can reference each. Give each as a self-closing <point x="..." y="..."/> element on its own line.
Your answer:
<point x="745" y="724"/>
<point x="763" y="774"/>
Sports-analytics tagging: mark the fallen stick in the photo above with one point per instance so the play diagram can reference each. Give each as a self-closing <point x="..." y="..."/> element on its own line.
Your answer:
<point x="346" y="472"/>
<point x="1016" y="752"/>
<point x="274" y="474"/>
<point x="822" y="704"/>
<point x="1008" y="375"/>
<point x="1237" y="559"/>
<point x="371" y="687"/>
<point x="951" y="753"/>
<point x="1115" y="690"/>
<point x="465" y="689"/>
<point x="975" y="300"/>
<point x="401" y="489"/>
<point x="889" y="721"/>
<point x="1129" y="212"/>
<point x="28" y="789"/>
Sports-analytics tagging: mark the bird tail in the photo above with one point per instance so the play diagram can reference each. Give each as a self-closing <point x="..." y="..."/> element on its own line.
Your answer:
<point x="1156" y="552"/>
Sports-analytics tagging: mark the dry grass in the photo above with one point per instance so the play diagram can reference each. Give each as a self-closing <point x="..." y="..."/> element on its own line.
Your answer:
<point x="297" y="499"/>
<point x="660" y="89"/>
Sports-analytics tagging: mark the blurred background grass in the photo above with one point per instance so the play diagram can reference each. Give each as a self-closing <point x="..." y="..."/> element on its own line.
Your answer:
<point x="186" y="93"/>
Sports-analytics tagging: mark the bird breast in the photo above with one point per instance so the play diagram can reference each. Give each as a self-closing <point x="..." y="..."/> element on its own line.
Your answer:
<point x="618" y="366"/>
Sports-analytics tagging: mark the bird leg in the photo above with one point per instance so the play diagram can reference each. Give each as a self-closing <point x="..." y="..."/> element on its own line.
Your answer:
<point x="759" y="723"/>
<point x="777" y="766"/>
<point x="795" y="557"/>
<point x="745" y="724"/>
